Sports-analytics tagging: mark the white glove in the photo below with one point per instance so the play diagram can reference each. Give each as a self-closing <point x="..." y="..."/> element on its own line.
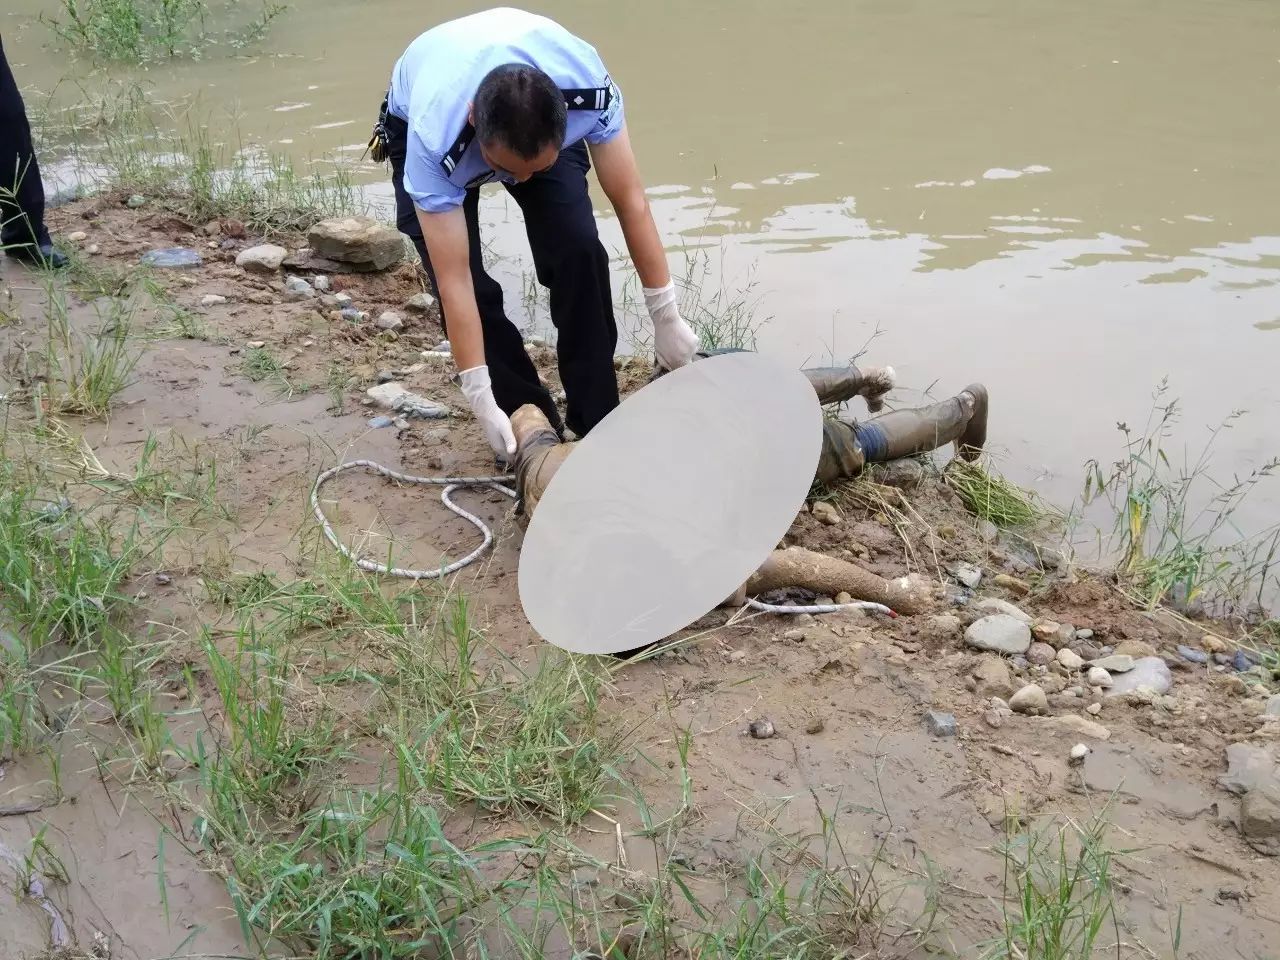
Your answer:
<point x="478" y="390"/>
<point x="674" y="341"/>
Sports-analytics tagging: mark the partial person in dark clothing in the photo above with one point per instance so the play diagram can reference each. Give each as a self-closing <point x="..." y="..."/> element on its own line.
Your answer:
<point x="23" y="233"/>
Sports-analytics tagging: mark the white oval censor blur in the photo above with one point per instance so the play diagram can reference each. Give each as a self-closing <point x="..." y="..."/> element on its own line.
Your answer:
<point x="670" y="503"/>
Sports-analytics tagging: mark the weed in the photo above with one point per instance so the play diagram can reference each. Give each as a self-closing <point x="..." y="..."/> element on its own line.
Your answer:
<point x="261" y="365"/>
<point x="87" y="372"/>
<point x="991" y="497"/>
<point x="1169" y="548"/>
<point x="141" y="30"/>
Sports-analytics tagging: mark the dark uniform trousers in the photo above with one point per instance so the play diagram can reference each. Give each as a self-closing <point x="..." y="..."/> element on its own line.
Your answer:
<point x="571" y="263"/>
<point x="21" y="192"/>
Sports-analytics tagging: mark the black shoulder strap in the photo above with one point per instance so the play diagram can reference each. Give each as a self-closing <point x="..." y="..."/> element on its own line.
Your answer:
<point x="451" y="159"/>
<point x="588" y="98"/>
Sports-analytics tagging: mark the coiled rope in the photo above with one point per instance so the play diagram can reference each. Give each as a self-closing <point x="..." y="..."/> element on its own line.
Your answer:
<point x="498" y="483"/>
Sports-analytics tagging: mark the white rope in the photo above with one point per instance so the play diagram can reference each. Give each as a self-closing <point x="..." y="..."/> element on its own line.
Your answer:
<point x="497" y="483"/>
<point x="821" y="607"/>
<point x="450" y="484"/>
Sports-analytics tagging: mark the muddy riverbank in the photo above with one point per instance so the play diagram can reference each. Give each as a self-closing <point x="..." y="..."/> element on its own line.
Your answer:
<point x="870" y="815"/>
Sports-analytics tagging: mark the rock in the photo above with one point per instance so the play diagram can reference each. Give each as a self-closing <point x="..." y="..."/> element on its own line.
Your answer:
<point x="172" y="258"/>
<point x="844" y="597"/>
<point x="420" y="303"/>
<point x="1150" y="673"/>
<point x="444" y="346"/>
<point x="1272" y="708"/>
<point x="826" y="513"/>
<point x="1079" y="726"/>
<point x="1248" y="768"/>
<point x="993" y="719"/>
<point x="93" y="249"/>
<point x="1069" y="659"/>
<point x="1085" y="634"/>
<point x="1030" y="699"/>
<point x="389" y="321"/>
<point x="992" y="679"/>
<point x="1098" y="677"/>
<point x="906" y="473"/>
<point x="136" y="201"/>
<point x="1046" y="630"/>
<point x="299" y="285"/>
<point x="264" y="258"/>
<point x="996" y="605"/>
<point x="77" y="236"/>
<point x="385" y="376"/>
<point x="342" y="299"/>
<point x="988" y="532"/>
<point x="1077" y="755"/>
<point x="1260" y="820"/>
<point x="794" y="636"/>
<point x="944" y="627"/>
<point x="967" y="574"/>
<point x="1191" y="655"/>
<point x="940" y="724"/>
<point x="1089" y="651"/>
<point x="1241" y="662"/>
<point x="377" y="423"/>
<point x="1093" y="709"/>
<point x="1116" y="663"/>
<point x="1015" y="586"/>
<point x="815" y="725"/>
<point x="1213" y="644"/>
<point x="761" y="729"/>
<point x="360" y="240"/>
<point x="396" y="398"/>
<point x="322" y="283"/>
<point x="1041" y="654"/>
<point x="352" y="315"/>
<point x="1135" y="649"/>
<point x="212" y="300"/>
<point x="999" y="633"/>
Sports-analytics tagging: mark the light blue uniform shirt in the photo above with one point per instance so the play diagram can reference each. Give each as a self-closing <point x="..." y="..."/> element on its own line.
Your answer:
<point x="436" y="78"/>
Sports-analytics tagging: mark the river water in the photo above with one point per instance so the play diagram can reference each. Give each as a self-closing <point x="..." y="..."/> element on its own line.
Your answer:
<point x="1066" y="202"/>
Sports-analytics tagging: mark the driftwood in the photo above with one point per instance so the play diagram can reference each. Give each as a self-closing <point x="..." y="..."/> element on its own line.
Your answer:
<point x="797" y="567"/>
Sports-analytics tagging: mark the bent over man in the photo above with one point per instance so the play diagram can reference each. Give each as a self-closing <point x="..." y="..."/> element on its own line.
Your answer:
<point x="514" y="97"/>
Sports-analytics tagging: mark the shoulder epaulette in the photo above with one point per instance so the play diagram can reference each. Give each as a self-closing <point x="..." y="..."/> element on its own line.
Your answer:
<point x="451" y="159"/>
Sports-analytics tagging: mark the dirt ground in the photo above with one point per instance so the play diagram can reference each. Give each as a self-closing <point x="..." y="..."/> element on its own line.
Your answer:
<point x="846" y="693"/>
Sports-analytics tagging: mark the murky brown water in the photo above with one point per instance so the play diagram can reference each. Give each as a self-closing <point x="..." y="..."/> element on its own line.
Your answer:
<point x="1067" y="202"/>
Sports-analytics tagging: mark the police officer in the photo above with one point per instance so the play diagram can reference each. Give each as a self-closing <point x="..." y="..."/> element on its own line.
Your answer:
<point x="514" y="97"/>
<point x="23" y="234"/>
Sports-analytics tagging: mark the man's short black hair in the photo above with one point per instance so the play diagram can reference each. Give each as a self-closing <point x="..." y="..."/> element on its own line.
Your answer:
<point x="520" y="107"/>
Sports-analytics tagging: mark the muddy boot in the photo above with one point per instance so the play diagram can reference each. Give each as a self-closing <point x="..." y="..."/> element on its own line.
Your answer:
<point x="842" y="457"/>
<point x="838" y="384"/>
<point x="903" y="433"/>
<point x="539" y="454"/>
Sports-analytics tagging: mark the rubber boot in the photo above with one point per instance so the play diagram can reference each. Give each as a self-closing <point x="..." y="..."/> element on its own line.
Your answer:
<point x="539" y="453"/>
<point x="848" y="448"/>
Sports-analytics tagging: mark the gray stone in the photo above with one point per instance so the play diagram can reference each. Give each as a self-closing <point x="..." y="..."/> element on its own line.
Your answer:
<point x="1085" y="634"/>
<point x="264" y="258"/>
<point x="940" y="724"/>
<point x="967" y="574"/>
<point x="988" y="532"/>
<point x="322" y="283"/>
<point x="420" y="303"/>
<point x="377" y="423"/>
<point x="992" y="679"/>
<point x="352" y="315"/>
<point x="905" y="474"/>
<point x="1041" y="654"/>
<point x="1069" y="659"/>
<point x="172" y="258"/>
<point x="1098" y="677"/>
<point x="1116" y="663"/>
<point x="1149" y="673"/>
<point x="1030" y="699"/>
<point x="826" y="513"/>
<point x="389" y="321"/>
<point x="999" y="633"/>
<point x="1260" y="820"/>
<point x="212" y="300"/>
<point x="1079" y="726"/>
<point x="359" y="240"/>
<point x="136" y="201"/>
<point x="343" y="299"/>
<point x="1241" y="662"/>
<point x="1093" y="709"/>
<point x="1192" y="655"/>
<point x="943" y="627"/>
<point x="996" y="605"/>
<point x="1248" y="768"/>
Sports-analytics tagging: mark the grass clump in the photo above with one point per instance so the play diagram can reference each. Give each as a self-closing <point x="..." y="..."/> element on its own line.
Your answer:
<point x="992" y="497"/>
<point x="139" y="31"/>
<point x="86" y="372"/>
<point x="1174" y="527"/>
